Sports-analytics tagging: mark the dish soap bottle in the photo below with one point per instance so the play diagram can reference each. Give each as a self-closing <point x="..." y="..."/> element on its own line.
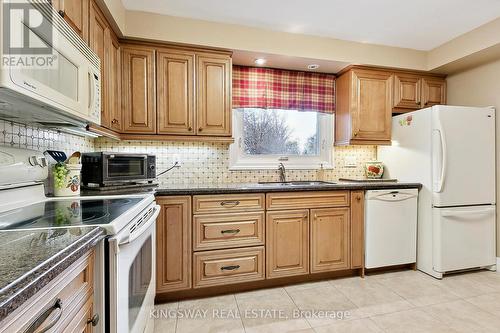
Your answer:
<point x="320" y="174"/>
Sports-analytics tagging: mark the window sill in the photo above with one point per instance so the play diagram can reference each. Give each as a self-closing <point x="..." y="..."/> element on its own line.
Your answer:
<point x="274" y="166"/>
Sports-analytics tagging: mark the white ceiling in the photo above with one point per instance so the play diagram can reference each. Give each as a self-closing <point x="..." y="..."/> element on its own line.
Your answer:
<point x="417" y="24"/>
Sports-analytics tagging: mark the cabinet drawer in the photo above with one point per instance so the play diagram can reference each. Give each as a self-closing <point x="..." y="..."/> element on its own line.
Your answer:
<point x="70" y="290"/>
<point x="225" y="203"/>
<point x="220" y="231"/>
<point x="222" y="267"/>
<point x="301" y="200"/>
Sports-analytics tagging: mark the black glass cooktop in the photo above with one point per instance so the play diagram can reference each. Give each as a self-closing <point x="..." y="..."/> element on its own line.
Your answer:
<point x="64" y="213"/>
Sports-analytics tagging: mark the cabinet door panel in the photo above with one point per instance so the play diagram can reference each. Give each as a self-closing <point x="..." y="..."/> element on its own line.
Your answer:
<point x="175" y="83"/>
<point x="287" y="243"/>
<point x="371" y="105"/>
<point x="173" y="244"/>
<point x="114" y="83"/>
<point x="214" y="95"/>
<point x="138" y="90"/>
<point x="76" y="13"/>
<point x="329" y="239"/>
<point x="407" y="91"/>
<point x="433" y="91"/>
<point x="357" y="229"/>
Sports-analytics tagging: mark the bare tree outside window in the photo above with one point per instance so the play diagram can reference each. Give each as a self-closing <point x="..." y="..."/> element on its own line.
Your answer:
<point x="280" y="132"/>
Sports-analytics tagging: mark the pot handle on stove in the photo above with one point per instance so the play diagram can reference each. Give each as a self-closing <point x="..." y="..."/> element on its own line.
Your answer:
<point x="126" y="235"/>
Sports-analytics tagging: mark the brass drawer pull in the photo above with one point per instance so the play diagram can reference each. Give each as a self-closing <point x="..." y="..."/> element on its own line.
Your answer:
<point x="36" y="324"/>
<point x="230" y="231"/>
<point x="233" y="203"/>
<point x="230" y="268"/>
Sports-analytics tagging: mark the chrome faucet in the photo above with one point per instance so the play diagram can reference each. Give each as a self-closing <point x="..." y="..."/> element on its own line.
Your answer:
<point x="282" y="172"/>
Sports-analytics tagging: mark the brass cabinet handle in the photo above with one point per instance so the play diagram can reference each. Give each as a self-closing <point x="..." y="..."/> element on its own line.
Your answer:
<point x="190" y="128"/>
<point x="358" y="198"/>
<point x="94" y="320"/>
<point x="356" y="133"/>
<point x="233" y="203"/>
<point x="114" y="121"/>
<point x="35" y="326"/>
<point x="230" y="231"/>
<point x="200" y="129"/>
<point x="230" y="268"/>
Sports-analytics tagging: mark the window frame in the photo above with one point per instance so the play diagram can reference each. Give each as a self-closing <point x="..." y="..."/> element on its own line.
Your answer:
<point x="238" y="160"/>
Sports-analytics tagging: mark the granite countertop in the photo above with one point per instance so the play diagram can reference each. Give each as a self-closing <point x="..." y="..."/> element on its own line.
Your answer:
<point x="264" y="188"/>
<point x="31" y="259"/>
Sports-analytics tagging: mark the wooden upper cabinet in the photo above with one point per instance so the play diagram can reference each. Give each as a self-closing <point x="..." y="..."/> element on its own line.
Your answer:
<point x="407" y="91"/>
<point x="173" y="244"/>
<point x="329" y="239"/>
<point x="364" y="107"/>
<point x="76" y="13"/>
<point x="433" y="91"/>
<point x="175" y="90"/>
<point x="114" y="70"/>
<point x="287" y="243"/>
<point x="213" y="95"/>
<point x="138" y="89"/>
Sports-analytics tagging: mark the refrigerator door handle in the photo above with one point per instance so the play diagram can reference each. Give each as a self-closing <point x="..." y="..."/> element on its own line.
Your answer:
<point x="443" y="161"/>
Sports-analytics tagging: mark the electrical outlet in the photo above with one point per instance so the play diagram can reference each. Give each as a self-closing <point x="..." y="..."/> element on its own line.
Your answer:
<point x="350" y="162"/>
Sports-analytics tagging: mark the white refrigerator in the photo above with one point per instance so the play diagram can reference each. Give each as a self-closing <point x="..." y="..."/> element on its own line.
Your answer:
<point x="451" y="151"/>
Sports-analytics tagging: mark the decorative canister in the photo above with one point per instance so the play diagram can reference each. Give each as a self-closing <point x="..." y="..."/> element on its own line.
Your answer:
<point x="374" y="169"/>
<point x="66" y="179"/>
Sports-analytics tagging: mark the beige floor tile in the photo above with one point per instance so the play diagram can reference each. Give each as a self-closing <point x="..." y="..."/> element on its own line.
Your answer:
<point x="468" y="284"/>
<point x="371" y="297"/>
<point x="269" y="292"/>
<point x="272" y="312"/>
<point x="411" y="321"/>
<point x="165" y="317"/>
<point x="464" y="317"/>
<point x="210" y="315"/>
<point x="352" y="326"/>
<point x="332" y="304"/>
<point x="307" y="285"/>
<point x="417" y="288"/>
<point x="489" y="303"/>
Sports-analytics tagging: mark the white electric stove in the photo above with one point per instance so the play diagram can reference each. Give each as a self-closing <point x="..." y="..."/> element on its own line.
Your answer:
<point x="129" y="221"/>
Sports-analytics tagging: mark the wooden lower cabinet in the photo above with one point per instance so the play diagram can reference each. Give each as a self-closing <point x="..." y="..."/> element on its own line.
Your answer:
<point x="329" y="239"/>
<point x="66" y="303"/>
<point x="223" y="267"/>
<point x="287" y="243"/>
<point x="173" y="244"/>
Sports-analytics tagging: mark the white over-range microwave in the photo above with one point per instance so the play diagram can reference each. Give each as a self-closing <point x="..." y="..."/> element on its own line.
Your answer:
<point x="48" y="74"/>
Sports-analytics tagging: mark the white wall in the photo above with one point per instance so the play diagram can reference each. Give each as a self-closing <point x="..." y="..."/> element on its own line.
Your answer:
<point x="479" y="86"/>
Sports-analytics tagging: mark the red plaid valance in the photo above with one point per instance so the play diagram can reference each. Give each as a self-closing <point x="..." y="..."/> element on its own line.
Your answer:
<point x="267" y="88"/>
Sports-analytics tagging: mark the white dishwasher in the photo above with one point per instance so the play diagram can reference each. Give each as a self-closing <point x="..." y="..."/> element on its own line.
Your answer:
<point x="390" y="227"/>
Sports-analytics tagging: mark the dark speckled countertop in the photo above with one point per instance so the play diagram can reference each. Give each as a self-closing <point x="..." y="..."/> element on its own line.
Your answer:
<point x="31" y="259"/>
<point x="264" y="188"/>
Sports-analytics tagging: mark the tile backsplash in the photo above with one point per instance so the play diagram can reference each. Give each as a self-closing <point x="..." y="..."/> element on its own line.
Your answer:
<point x="201" y="162"/>
<point x="204" y="163"/>
<point x="36" y="138"/>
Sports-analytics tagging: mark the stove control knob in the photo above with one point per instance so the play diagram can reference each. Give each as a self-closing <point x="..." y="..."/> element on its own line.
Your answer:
<point x="152" y="167"/>
<point x="33" y="160"/>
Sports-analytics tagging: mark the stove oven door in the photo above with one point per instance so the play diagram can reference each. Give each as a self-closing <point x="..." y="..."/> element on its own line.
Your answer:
<point x="132" y="275"/>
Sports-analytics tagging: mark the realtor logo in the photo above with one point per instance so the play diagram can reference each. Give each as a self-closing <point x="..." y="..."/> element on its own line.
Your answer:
<point x="27" y="36"/>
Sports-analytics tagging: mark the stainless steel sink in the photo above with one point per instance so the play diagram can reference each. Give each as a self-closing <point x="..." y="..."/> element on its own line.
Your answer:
<point x="297" y="183"/>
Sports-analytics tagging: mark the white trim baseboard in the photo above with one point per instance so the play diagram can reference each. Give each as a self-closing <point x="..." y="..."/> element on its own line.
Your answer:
<point x="498" y="264"/>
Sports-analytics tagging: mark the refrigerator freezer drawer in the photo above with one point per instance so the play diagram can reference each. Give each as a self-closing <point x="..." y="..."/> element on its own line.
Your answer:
<point x="390" y="227"/>
<point x="463" y="238"/>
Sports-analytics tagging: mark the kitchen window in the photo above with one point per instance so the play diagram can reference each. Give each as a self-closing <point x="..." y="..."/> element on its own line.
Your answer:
<point x="282" y="116"/>
<point x="266" y="137"/>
